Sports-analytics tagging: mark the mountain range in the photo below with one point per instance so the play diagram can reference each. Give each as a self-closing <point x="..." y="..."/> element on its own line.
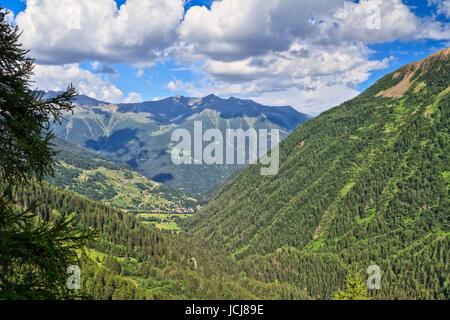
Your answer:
<point x="139" y="134"/>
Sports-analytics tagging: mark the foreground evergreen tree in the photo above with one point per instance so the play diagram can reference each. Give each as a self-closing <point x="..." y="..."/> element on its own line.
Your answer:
<point x="355" y="289"/>
<point x="34" y="252"/>
<point x="25" y="118"/>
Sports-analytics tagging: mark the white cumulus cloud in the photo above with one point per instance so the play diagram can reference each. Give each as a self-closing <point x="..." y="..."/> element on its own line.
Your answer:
<point x="71" y="31"/>
<point x="293" y="51"/>
<point x="57" y="78"/>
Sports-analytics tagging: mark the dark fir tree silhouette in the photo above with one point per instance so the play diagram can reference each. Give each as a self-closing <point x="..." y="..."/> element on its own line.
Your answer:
<point x="35" y="252"/>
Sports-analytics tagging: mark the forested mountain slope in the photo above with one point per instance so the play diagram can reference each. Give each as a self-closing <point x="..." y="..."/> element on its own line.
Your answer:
<point x="364" y="183"/>
<point x="129" y="260"/>
<point x="91" y="174"/>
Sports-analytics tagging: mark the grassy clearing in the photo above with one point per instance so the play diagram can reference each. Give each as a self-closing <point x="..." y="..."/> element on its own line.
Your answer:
<point x="347" y="188"/>
<point x="168" y="226"/>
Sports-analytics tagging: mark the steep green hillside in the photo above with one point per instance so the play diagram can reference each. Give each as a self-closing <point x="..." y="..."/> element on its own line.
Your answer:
<point x="92" y="175"/>
<point x="364" y="183"/>
<point x="140" y="134"/>
<point x="129" y="260"/>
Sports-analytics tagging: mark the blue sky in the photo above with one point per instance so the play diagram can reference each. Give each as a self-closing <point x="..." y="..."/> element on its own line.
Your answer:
<point x="312" y="55"/>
